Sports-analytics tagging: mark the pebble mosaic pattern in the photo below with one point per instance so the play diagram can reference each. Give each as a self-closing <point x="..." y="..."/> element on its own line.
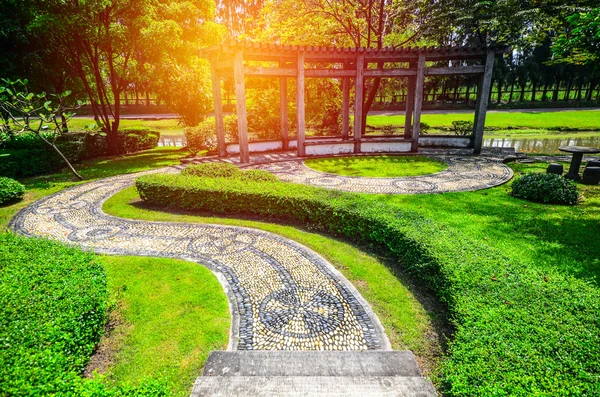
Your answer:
<point x="283" y="296"/>
<point x="462" y="174"/>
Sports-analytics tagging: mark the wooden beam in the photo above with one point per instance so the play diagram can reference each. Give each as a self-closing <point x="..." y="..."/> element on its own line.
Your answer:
<point x="358" y="101"/>
<point x="269" y="72"/>
<point x="345" y="107"/>
<point x="300" y="104"/>
<point x="419" y="87"/>
<point x="459" y="70"/>
<point x="483" y="96"/>
<point x="390" y="72"/>
<point x="218" y="105"/>
<point x="240" y="104"/>
<point x="283" y="104"/>
<point x="410" y="104"/>
<point x="329" y="73"/>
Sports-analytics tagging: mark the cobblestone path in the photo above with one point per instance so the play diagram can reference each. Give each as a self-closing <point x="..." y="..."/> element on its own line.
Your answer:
<point x="462" y="174"/>
<point x="282" y="295"/>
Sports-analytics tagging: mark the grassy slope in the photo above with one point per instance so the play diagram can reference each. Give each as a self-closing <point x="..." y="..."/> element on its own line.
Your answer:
<point x="407" y="323"/>
<point x="544" y="235"/>
<point x="379" y="166"/>
<point x="172" y="314"/>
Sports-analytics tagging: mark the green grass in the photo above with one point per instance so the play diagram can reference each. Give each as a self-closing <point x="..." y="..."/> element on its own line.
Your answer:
<point x="42" y="186"/>
<point x="560" y="237"/>
<point x="166" y="126"/>
<point x="378" y="166"/>
<point x="408" y="324"/>
<point x="170" y="315"/>
<point x="533" y="119"/>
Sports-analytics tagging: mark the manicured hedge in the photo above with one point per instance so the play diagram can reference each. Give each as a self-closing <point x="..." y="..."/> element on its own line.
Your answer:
<point x="53" y="305"/>
<point x="10" y="190"/>
<point x="27" y="155"/>
<point x="545" y="188"/>
<point x="226" y="170"/>
<point x="520" y="331"/>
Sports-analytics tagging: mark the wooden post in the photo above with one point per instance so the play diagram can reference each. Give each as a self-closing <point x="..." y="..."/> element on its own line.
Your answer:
<point x="218" y="103"/>
<point x="240" y="104"/>
<point x="482" y="101"/>
<point x="410" y="104"/>
<point x="419" y="87"/>
<point x="300" y="105"/>
<point x="345" y="106"/>
<point x="358" y="101"/>
<point x="283" y="104"/>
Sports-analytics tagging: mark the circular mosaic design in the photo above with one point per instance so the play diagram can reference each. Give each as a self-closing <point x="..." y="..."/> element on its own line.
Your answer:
<point x="301" y="313"/>
<point x="95" y="233"/>
<point x="225" y="243"/>
<point x="325" y="181"/>
<point x="415" y="185"/>
<point x="59" y="208"/>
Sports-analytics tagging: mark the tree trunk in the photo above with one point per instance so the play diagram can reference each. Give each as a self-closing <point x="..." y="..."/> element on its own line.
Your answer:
<point x="591" y="88"/>
<point x="522" y="98"/>
<point x="468" y="94"/>
<point x="545" y="92"/>
<point x="147" y="99"/>
<point x="137" y="96"/>
<point x="556" y="89"/>
<point x="533" y="91"/>
<point x="579" y="92"/>
<point x="499" y="101"/>
<point x="512" y="91"/>
<point x="63" y="123"/>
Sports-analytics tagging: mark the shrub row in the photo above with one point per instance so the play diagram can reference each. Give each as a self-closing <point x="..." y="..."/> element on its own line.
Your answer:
<point x="230" y="171"/>
<point x="519" y="331"/>
<point x="27" y="155"/>
<point x="10" y="190"/>
<point x="53" y="304"/>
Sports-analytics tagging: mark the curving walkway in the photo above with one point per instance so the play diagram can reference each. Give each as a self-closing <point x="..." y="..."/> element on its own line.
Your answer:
<point x="282" y="295"/>
<point x="462" y="174"/>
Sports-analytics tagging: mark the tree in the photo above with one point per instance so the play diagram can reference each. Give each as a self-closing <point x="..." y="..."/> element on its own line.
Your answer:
<point x="27" y="112"/>
<point x="105" y="43"/>
<point x="580" y="42"/>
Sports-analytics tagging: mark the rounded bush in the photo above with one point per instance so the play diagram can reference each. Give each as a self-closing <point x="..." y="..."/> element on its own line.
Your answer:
<point x="10" y="190"/>
<point x="212" y="170"/>
<point x="546" y="188"/>
<point x="258" y="176"/>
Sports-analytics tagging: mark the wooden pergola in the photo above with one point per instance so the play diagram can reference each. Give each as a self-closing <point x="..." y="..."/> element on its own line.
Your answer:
<point x="231" y="58"/>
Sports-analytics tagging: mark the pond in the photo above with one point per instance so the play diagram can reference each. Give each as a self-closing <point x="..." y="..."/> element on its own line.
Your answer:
<point x="528" y="145"/>
<point x="540" y="145"/>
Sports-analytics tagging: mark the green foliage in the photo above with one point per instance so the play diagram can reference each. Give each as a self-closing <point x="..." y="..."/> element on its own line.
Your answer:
<point x="231" y="128"/>
<point x="462" y="127"/>
<point x="53" y="303"/>
<point x="545" y="188"/>
<point x="263" y="113"/>
<point x="10" y="190"/>
<point x="201" y="137"/>
<point x="26" y="155"/>
<point x="425" y="128"/>
<point x="229" y="171"/>
<point x="517" y="327"/>
<point x="581" y="43"/>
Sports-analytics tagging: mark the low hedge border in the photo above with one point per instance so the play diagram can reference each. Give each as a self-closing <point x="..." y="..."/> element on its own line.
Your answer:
<point x="518" y="331"/>
<point x="53" y="306"/>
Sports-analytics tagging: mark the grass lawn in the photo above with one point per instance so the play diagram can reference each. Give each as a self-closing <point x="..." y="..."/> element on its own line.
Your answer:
<point x="169" y="315"/>
<point x="533" y="119"/>
<point x="410" y="320"/>
<point x="378" y="166"/>
<point x="166" y="126"/>
<point x="545" y="236"/>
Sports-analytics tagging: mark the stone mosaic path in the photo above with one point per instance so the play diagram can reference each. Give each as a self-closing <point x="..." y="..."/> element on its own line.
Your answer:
<point x="462" y="174"/>
<point x="282" y="295"/>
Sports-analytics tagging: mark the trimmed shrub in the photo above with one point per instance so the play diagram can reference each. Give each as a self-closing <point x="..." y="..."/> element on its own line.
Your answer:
<point x="545" y="188"/>
<point x="10" y="190"/>
<point x="226" y="170"/>
<point x="53" y="302"/>
<point x="212" y="170"/>
<point x="134" y="140"/>
<point x="519" y="331"/>
<point x="462" y="127"/>
<point x="201" y="137"/>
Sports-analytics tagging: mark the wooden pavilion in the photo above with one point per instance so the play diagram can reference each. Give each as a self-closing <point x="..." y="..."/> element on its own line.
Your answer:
<point x="233" y="58"/>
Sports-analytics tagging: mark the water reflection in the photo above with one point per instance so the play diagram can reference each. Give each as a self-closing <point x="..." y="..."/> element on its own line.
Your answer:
<point x="178" y="141"/>
<point x="536" y="145"/>
<point x="527" y="145"/>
